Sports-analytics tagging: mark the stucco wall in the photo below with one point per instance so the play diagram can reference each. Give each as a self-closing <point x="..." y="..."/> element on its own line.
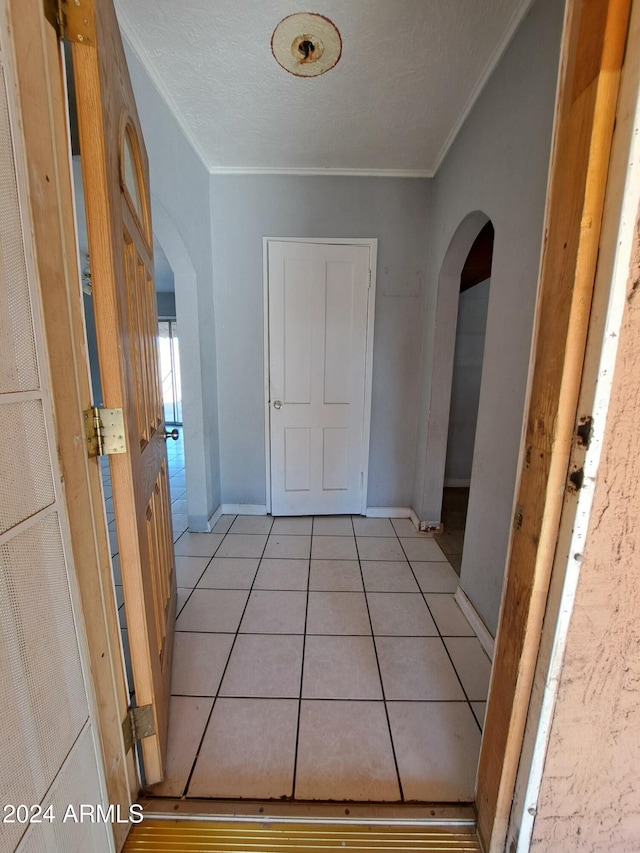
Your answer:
<point x="590" y="796"/>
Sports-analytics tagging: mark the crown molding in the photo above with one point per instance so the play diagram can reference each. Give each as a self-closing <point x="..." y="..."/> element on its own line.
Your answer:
<point x="360" y="173"/>
<point x="135" y="45"/>
<point x="133" y="41"/>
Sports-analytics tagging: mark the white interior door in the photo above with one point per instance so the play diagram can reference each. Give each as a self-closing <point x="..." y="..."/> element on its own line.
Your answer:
<point x="318" y="307"/>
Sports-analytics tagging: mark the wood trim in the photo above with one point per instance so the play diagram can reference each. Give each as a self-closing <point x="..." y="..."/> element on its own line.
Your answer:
<point x="592" y="55"/>
<point x="42" y="93"/>
<point x="619" y="226"/>
<point x="143" y="216"/>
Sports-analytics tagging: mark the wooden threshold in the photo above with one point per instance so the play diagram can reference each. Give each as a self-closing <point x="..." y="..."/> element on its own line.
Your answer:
<point x="454" y="814"/>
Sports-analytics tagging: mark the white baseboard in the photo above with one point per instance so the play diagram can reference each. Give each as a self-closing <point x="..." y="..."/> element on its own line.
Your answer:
<point x="388" y="512"/>
<point x="414" y="518"/>
<point x="457" y="484"/>
<point x="214" y="517"/>
<point x="244" y="509"/>
<point x="473" y="618"/>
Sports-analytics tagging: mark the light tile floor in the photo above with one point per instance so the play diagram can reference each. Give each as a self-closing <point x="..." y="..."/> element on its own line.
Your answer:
<point x="322" y="659"/>
<point x="318" y="659"/>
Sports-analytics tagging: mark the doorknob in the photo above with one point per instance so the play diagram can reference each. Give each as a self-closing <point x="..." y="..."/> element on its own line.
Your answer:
<point x="277" y="404"/>
<point x="174" y="434"/>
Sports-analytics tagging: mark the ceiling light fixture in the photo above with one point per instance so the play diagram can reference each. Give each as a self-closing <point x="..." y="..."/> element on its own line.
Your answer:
<point x="306" y="44"/>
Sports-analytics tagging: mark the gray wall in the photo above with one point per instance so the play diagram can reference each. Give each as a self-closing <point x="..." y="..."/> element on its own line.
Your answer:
<point x="166" y="303"/>
<point x="244" y="209"/>
<point x="465" y="387"/>
<point x="92" y="350"/>
<point x="498" y="165"/>
<point x="181" y="219"/>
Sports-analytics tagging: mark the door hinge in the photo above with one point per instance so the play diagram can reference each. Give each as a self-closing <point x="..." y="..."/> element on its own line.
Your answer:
<point x="104" y="431"/>
<point x="74" y="20"/>
<point x="138" y="724"/>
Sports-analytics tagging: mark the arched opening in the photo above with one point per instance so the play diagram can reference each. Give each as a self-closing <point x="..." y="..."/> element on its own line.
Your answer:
<point x="473" y="304"/>
<point x="444" y="345"/>
<point x="197" y="479"/>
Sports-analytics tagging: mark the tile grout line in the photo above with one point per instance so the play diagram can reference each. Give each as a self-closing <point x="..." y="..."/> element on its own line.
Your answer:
<point x="314" y="634"/>
<point x="468" y="701"/>
<point x="304" y="646"/>
<point x="305" y="634"/>
<point x="217" y="696"/>
<point x="375" y="650"/>
<point x="194" y="587"/>
<point x="314" y="699"/>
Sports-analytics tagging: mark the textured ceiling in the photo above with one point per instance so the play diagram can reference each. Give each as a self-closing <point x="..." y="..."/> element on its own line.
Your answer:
<point x="409" y="72"/>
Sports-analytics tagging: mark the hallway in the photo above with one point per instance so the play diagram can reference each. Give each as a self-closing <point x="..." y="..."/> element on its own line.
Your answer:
<point x="318" y="659"/>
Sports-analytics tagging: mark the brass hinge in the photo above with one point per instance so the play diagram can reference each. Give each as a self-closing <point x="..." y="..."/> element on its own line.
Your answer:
<point x="74" y="20"/>
<point x="138" y="724"/>
<point x="104" y="431"/>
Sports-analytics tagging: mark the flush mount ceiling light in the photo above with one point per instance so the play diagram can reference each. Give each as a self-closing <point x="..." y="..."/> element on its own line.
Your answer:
<point x="306" y="44"/>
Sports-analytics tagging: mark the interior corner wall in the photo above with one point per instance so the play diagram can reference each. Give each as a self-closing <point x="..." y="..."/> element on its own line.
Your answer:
<point x="498" y="164"/>
<point x="180" y="195"/>
<point x="246" y="208"/>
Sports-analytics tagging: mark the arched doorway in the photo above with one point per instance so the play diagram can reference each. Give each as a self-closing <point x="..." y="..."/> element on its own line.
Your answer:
<point x="186" y="310"/>
<point x="443" y="360"/>
<point x="473" y="304"/>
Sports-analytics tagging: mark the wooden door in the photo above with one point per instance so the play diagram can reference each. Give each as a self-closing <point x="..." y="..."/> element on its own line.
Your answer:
<point x="115" y="174"/>
<point x="318" y="301"/>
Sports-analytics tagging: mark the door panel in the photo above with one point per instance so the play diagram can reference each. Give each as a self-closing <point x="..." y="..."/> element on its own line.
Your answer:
<point x="115" y="176"/>
<point x="318" y="303"/>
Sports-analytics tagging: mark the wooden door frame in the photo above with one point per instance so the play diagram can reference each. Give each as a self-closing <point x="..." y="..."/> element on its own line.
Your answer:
<point x="42" y="92"/>
<point x="372" y="245"/>
<point x="592" y="55"/>
<point x="619" y="226"/>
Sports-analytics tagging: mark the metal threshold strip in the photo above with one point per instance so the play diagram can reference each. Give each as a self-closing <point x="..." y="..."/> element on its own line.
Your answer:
<point x="182" y="836"/>
<point x="307" y="828"/>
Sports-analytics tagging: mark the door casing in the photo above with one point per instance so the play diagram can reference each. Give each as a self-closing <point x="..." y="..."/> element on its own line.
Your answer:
<point x="372" y="245"/>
